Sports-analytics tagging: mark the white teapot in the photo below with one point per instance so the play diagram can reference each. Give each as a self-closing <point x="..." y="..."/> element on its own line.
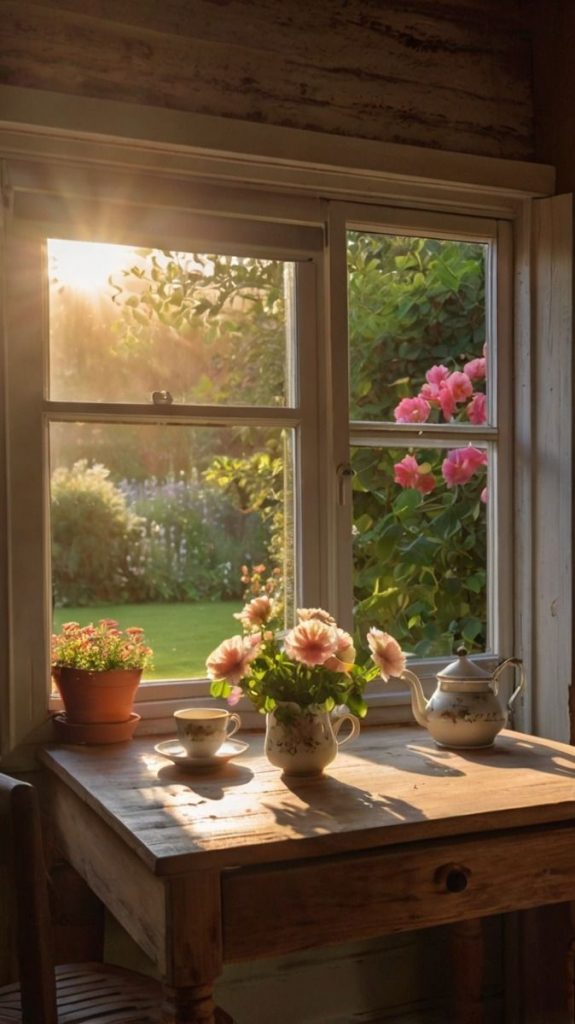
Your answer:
<point x="464" y="711"/>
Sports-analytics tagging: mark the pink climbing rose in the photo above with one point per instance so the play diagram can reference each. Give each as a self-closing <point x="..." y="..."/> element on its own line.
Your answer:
<point x="435" y="379"/>
<point x="409" y="473"/>
<point x="447" y="401"/>
<point x="475" y="369"/>
<point x="461" y="464"/>
<point x="460" y="386"/>
<point x="477" y="409"/>
<point x="412" y="410"/>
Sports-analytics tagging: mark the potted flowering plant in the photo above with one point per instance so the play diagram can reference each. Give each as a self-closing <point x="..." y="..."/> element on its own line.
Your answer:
<point x="97" y="670"/>
<point x="297" y="677"/>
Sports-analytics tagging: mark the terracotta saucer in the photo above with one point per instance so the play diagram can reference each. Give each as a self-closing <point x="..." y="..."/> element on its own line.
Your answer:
<point x="94" y="732"/>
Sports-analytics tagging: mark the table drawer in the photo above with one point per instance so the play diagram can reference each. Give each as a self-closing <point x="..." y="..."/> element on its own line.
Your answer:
<point x="294" y="905"/>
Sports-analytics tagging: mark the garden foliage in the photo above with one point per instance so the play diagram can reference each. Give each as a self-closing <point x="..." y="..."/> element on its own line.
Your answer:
<point x="181" y="530"/>
<point x="94" y="534"/>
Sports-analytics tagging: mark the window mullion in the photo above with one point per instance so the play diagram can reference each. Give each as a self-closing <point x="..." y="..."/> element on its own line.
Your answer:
<point x="338" y="493"/>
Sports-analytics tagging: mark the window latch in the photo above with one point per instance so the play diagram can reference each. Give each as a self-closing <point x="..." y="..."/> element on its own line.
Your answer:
<point x="344" y="478"/>
<point x="162" y="397"/>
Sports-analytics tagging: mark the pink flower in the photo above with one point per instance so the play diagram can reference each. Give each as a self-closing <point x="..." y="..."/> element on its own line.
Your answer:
<point x="408" y="473"/>
<point x="475" y="369"/>
<point x="256" y="613"/>
<point x="344" y="655"/>
<point x="460" y="386"/>
<point x="483" y="496"/>
<point x="437" y="374"/>
<point x="435" y="377"/>
<point x="461" y="464"/>
<point x="477" y="409"/>
<point x="446" y="401"/>
<point x="312" y="642"/>
<point x="386" y="653"/>
<point x="412" y="410"/>
<point x="305" y="614"/>
<point x="230" y="660"/>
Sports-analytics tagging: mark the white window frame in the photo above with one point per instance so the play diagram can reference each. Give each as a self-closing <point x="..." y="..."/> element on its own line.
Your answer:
<point x="499" y="303"/>
<point x="46" y="153"/>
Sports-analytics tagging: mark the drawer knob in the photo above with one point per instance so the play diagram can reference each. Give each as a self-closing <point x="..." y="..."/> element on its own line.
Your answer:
<point x="453" y="877"/>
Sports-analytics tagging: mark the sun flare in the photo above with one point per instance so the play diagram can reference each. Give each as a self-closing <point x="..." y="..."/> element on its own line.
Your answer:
<point x="86" y="266"/>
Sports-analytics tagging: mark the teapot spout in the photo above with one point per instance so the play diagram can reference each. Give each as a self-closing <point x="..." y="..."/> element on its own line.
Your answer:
<point x="418" y="702"/>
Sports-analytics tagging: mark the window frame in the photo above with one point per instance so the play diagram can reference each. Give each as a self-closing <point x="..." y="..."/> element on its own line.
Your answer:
<point x="499" y="308"/>
<point x="29" y="378"/>
<point x="302" y="187"/>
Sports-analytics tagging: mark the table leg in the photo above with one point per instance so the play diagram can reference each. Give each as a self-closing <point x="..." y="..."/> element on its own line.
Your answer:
<point x="193" y="1004"/>
<point x="467" y="971"/>
<point x="193" y="937"/>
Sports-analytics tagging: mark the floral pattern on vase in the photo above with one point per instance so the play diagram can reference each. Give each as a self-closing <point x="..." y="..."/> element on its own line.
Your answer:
<point x="303" y="741"/>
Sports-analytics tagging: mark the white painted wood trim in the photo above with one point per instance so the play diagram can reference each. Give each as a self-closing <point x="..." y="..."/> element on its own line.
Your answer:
<point x="226" y="147"/>
<point x="339" y="492"/>
<point x="552" y="464"/>
<point x="501" y="541"/>
<point x="524" y="419"/>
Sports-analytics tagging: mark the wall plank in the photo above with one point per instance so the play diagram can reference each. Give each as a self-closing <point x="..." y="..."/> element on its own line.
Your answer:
<point x="443" y="75"/>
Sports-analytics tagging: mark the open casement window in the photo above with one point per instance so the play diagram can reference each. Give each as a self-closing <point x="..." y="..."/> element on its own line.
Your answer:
<point x="222" y="389"/>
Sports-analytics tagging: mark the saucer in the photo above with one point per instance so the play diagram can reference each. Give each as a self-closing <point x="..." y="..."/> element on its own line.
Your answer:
<point x="94" y="732"/>
<point x="174" y="750"/>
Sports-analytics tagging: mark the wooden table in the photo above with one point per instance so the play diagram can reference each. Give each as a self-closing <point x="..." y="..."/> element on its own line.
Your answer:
<point x="398" y="835"/>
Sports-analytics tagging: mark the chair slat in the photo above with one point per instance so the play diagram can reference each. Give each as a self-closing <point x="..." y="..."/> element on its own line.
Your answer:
<point x="90" y="993"/>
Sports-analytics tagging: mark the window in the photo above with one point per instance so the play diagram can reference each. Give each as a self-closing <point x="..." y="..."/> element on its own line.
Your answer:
<point x="159" y="521"/>
<point x="274" y="382"/>
<point x="428" y="382"/>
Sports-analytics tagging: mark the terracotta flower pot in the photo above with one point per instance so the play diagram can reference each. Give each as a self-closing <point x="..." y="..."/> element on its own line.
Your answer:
<point x="97" y="696"/>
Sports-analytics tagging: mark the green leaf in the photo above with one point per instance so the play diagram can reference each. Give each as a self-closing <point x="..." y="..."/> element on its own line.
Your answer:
<point x="470" y="629"/>
<point x="407" y="501"/>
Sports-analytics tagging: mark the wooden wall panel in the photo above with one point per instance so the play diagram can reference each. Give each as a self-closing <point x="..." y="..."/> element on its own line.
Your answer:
<point x="454" y="76"/>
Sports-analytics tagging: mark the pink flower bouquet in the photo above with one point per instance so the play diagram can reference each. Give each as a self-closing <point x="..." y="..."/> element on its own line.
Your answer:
<point x="312" y="665"/>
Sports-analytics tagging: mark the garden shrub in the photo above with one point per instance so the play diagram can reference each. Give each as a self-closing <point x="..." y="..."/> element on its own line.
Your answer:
<point x="94" y="536"/>
<point x="193" y="541"/>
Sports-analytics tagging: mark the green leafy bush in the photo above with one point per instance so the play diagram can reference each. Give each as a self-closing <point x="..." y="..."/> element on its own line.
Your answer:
<point x="193" y="542"/>
<point x="94" y="535"/>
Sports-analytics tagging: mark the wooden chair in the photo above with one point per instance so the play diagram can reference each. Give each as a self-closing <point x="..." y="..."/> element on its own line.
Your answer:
<point x="76" y="993"/>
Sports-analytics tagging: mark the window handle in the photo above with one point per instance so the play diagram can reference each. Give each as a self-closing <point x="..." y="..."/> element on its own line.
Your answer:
<point x="344" y="477"/>
<point x="162" y="397"/>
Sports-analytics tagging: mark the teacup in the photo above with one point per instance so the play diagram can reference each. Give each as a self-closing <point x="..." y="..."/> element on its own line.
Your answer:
<point x="202" y="731"/>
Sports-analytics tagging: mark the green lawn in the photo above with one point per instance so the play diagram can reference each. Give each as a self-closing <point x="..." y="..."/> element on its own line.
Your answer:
<point x="181" y="635"/>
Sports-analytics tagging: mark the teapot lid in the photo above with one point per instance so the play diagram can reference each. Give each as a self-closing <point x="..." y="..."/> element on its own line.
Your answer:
<point x="464" y="669"/>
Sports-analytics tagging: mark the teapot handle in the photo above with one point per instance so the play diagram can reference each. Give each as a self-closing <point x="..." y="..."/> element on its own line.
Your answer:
<point x="517" y="663"/>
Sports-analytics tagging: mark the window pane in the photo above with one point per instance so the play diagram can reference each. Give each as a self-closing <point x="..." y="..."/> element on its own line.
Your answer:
<point x="417" y="328"/>
<point x="169" y="528"/>
<point x="207" y="328"/>
<point x="420" y="546"/>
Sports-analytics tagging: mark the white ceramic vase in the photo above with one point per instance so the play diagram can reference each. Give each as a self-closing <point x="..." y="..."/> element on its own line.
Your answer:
<point x="304" y="741"/>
